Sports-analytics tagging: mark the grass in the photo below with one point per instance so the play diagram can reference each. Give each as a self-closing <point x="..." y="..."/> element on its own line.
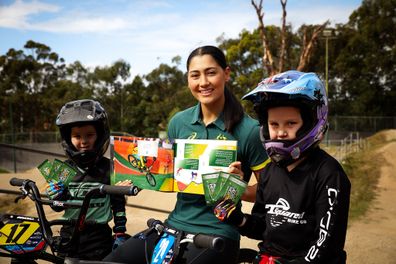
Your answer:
<point x="363" y="170"/>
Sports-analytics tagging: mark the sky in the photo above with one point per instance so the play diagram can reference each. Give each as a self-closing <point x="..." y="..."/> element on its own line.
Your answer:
<point x="147" y="33"/>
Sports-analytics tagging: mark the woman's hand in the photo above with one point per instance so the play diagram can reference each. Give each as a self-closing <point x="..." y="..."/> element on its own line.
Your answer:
<point x="236" y="168"/>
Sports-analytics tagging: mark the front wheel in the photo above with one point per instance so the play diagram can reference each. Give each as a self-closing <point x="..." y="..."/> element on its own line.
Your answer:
<point x="246" y="255"/>
<point x="150" y="179"/>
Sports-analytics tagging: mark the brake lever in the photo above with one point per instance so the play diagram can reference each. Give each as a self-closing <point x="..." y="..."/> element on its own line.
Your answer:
<point x="24" y="192"/>
<point x="19" y="197"/>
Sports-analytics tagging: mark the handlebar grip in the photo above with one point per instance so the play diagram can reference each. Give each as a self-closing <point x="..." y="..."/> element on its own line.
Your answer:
<point x="16" y="181"/>
<point x="152" y="222"/>
<point x="155" y="224"/>
<point x="119" y="190"/>
<point x="208" y="241"/>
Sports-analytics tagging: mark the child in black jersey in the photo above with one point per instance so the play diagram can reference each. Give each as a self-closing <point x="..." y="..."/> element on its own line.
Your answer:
<point x="83" y="125"/>
<point x="302" y="202"/>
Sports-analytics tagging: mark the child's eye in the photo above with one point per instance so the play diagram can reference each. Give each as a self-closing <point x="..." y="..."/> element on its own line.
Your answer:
<point x="292" y="123"/>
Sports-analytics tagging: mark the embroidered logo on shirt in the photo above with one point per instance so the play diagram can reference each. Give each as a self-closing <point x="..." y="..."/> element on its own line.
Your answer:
<point x="221" y="137"/>
<point x="279" y="214"/>
<point x="193" y="135"/>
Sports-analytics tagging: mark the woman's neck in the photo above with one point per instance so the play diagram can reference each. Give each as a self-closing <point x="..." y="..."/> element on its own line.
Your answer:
<point x="211" y="112"/>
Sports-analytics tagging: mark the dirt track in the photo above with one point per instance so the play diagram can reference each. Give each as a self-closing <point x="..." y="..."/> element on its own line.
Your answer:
<point x="373" y="238"/>
<point x="369" y="240"/>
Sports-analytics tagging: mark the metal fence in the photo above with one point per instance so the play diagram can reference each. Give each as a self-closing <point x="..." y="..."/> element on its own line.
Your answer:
<point x="350" y="144"/>
<point x="368" y="124"/>
<point x="30" y="137"/>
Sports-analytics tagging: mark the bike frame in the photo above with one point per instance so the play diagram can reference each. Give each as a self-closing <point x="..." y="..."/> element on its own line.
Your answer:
<point x="43" y="226"/>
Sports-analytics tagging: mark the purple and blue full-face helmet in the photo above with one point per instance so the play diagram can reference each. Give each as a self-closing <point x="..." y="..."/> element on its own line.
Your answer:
<point x="292" y="88"/>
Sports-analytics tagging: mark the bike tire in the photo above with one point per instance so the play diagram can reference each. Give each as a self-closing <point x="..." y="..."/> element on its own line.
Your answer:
<point x="246" y="255"/>
<point x="150" y="179"/>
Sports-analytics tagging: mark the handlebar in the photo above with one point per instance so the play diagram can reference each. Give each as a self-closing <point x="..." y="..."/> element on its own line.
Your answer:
<point x="199" y="240"/>
<point x="119" y="190"/>
<point x="17" y="182"/>
<point x="29" y="189"/>
<point x="208" y="241"/>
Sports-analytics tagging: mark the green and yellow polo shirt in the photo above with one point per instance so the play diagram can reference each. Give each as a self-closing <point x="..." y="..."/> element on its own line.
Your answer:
<point x="191" y="213"/>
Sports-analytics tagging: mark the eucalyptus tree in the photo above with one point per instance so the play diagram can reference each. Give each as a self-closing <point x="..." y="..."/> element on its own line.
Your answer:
<point x="26" y="77"/>
<point x="365" y="66"/>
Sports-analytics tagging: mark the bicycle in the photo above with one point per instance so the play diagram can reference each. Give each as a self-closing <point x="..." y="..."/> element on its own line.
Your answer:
<point x="26" y="239"/>
<point x="141" y="164"/>
<point x="171" y="244"/>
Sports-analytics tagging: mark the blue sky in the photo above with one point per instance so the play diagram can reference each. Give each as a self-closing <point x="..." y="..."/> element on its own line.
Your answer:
<point x="146" y="33"/>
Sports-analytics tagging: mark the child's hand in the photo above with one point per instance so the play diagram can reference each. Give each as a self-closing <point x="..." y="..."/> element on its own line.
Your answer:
<point x="236" y="168"/>
<point x="55" y="189"/>
<point x="227" y="211"/>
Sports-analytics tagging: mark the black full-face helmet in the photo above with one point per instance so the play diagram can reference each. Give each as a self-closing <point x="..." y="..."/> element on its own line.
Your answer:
<point x="80" y="113"/>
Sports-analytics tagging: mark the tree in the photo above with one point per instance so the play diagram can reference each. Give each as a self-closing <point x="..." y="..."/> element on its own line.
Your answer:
<point x="275" y="64"/>
<point x="24" y="79"/>
<point x="365" y="66"/>
<point x="108" y="83"/>
<point x="165" y="94"/>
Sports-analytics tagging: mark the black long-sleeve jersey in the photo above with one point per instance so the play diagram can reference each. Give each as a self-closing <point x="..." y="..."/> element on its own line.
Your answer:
<point x="302" y="214"/>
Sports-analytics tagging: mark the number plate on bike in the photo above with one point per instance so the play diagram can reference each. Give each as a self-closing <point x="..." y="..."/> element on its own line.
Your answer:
<point x="163" y="252"/>
<point x="21" y="234"/>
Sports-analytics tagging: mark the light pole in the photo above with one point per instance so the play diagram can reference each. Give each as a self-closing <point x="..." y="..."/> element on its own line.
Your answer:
<point x="12" y="135"/>
<point x="327" y="33"/>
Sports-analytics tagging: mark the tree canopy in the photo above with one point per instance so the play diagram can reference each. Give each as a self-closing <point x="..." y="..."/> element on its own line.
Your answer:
<point x="36" y="81"/>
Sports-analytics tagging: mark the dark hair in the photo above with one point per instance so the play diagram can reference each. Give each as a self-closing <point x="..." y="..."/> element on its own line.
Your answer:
<point x="233" y="110"/>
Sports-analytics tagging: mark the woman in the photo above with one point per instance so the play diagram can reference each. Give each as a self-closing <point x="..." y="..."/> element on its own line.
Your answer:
<point x="218" y="115"/>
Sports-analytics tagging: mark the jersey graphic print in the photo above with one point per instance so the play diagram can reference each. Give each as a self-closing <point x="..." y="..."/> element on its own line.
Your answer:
<point x="324" y="225"/>
<point x="279" y="214"/>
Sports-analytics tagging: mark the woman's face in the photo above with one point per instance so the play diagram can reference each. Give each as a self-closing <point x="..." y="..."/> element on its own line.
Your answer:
<point x="284" y="122"/>
<point x="206" y="80"/>
<point x="83" y="137"/>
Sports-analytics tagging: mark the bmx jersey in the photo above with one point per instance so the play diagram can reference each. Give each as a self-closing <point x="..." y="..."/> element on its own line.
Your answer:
<point x="191" y="213"/>
<point x="302" y="214"/>
<point x="102" y="208"/>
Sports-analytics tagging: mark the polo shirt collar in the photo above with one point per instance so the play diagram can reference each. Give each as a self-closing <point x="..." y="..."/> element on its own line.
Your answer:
<point x="196" y="118"/>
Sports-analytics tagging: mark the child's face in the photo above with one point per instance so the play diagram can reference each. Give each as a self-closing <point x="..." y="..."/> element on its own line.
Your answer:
<point x="284" y="122"/>
<point x="83" y="138"/>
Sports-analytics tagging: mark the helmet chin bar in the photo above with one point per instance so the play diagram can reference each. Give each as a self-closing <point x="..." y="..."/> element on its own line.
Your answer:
<point x="281" y="158"/>
<point x="83" y="159"/>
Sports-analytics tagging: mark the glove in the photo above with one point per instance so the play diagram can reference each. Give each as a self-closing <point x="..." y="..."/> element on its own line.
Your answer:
<point x="55" y="189"/>
<point x="226" y="211"/>
<point x="119" y="239"/>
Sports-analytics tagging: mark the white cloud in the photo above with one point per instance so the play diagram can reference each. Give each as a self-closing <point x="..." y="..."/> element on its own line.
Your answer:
<point x="319" y="15"/>
<point x="81" y="25"/>
<point x="17" y="14"/>
<point x="146" y="33"/>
